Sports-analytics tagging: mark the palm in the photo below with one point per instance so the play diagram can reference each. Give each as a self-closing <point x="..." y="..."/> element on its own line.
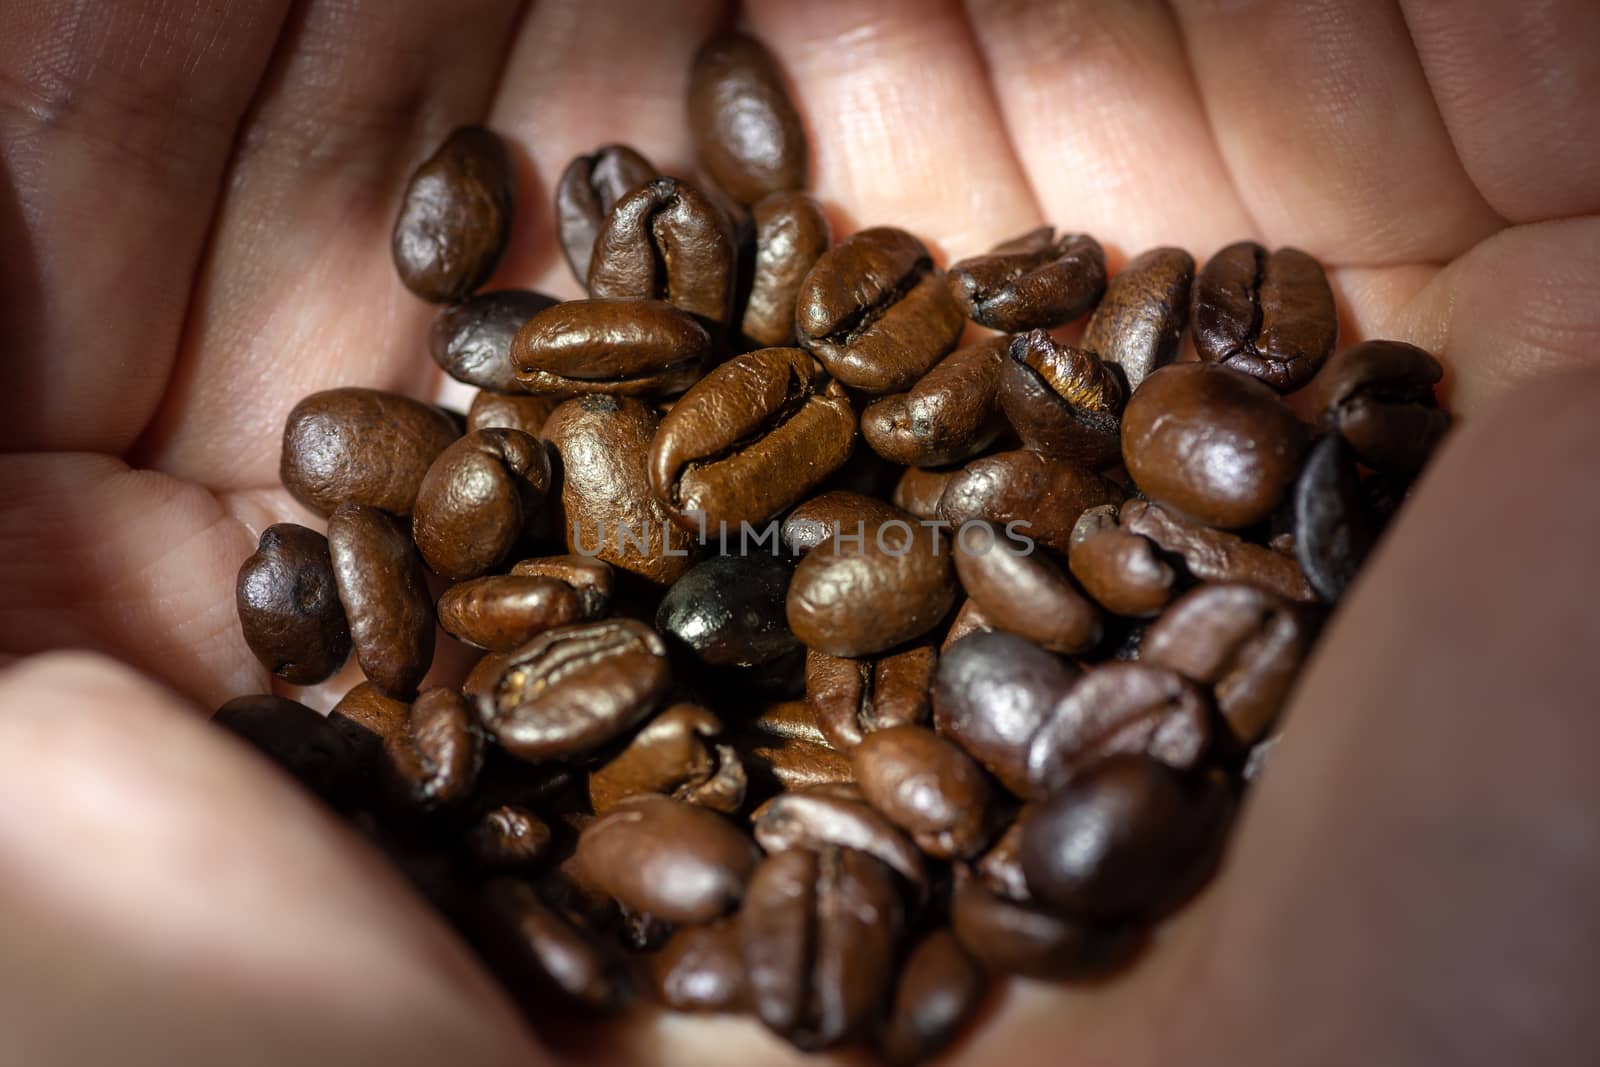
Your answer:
<point x="196" y="236"/>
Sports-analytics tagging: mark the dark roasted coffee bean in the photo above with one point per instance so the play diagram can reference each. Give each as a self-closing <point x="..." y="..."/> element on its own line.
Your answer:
<point x="289" y="606"/>
<point x="749" y="439"/>
<point x="316" y="752"/>
<point x="789" y="719"/>
<point x="862" y="593"/>
<point x="918" y="491"/>
<point x="970" y="619"/>
<point x="536" y="952"/>
<point x="1125" y="839"/>
<point x="370" y="720"/>
<point x="817" y="934"/>
<point x="1010" y="937"/>
<point x="1216" y="555"/>
<point x="385" y="596"/>
<point x="666" y="241"/>
<point x="1034" y="281"/>
<point x="1332" y="533"/>
<point x="674" y="860"/>
<point x="361" y="446"/>
<point x="1269" y="315"/>
<point x="503" y="611"/>
<point x="1140" y="321"/>
<point x="590" y="578"/>
<point x="483" y="675"/>
<point x="674" y="754"/>
<point x="791" y="233"/>
<point x="1212" y="443"/>
<point x="571" y="690"/>
<point x="940" y="989"/>
<point x="1378" y="396"/>
<point x="1027" y="593"/>
<point x="853" y="697"/>
<point x="774" y="763"/>
<point x="455" y="217"/>
<point x="951" y="414"/>
<point x="471" y="340"/>
<point x="1063" y="401"/>
<point x="479" y="499"/>
<point x="729" y="611"/>
<point x="927" y="787"/>
<point x="821" y="816"/>
<point x="436" y="761"/>
<point x="1119" y="569"/>
<point x="876" y="311"/>
<point x="1000" y="868"/>
<point x="589" y="188"/>
<point x="1024" y="494"/>
<point x="838" y="510"/>
<point x="1245" y="643"/>
<point x="701" y="969"/>
<point x="502" y="411"/>
<point x="747" y="134"/>
<point x="508" y="839"/>
<point x="629" y="347"/>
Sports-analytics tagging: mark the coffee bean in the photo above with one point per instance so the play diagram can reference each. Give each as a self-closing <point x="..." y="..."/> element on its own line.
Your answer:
<point x="627" y="347"/>
<point x="572" y="689"/>
<point x="926" y="786"/>
<point x="941" y="987"/>
<point x="502" y="611"/>
<point x="500" y="411"/>
<point x="674" y="860"/>
<point x="361" y="446"/>
<point x="666" y="241"/>
<point x="969" y="619"/>
<point x="455" y="216"/>
<point x="791" y="233"/>
<point x="1028" y="593"/>
<point x="773" y="763"/>
<point x="747" y="134"/>
<point x="1034" y="281"/>
<point x="851" y="698"/>
<point x="1000" y="868"/>
<point x="1120" y="569"/>
<point x="1024" y="494"/>
<point x="508" y="839"/>
<point x="385" y="596"/>
<point x="701" y="969"/>
<point x="483" y="675"/>
<point x="817" y="934"/>
<point x="471" y="341"/>
<point x="749" y="439"/>
<point x="589" y="188"/>
<point x="876" y="311"/>
<point x="1063" y="401"/>
<point x="728" y="611"/>
<point x="860" y="594"/>
<point x="289" y="606"/>
<point x="591" y="579"/>
<point x="1332" y="533"/>
<point x="1216" y="555"/>
<point x="436" y="761"/>
<point x="301" y="741"/>
<point x="812" y="522"/>
<point x="1378" y="396"/>
<point x="1212" y="443"/>
<point x="1009" y="937"/>
<point x="537" y="952"/>
<point x="817" y="817"/>
<point x="918" y="491"/>
<point x="673" y="754"/>
<point x="1269" y="315"/>
<point x="1140" y="321"/>
<point x="479" y="499"/>
<point x="951" y="414"/>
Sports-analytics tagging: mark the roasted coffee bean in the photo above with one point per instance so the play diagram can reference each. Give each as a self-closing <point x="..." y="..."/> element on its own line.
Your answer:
<point x="1332" y="533"/>
<point x="791" y="233"/>
<point x="1063" y="401"/>
<point x="1024" y="494"/>
<point x="816" y="817"/>
<point x="817" y="934"/>
<point x="1031" y="282"/>
<point x="572" y="689"/>
<point x="728" y="611"/>
<point x="1378" y="396"/>
<point x="479" y="499"/>
<point x="749" y="439"/>
<point x="316" y="752"/>
<point x="786" y="719"/>
<point x="1245" y="643"/>
<point x="471" y="341"/>
<point x="927" y="787"/>
<point x="747" y="134"/>
<point x="774" y="762"/>
<point x="970" y="619"/>
<point x="918" y="491"/>
<point x="1269" y="315"/>
<point x="941" y="987"/>
<point x="385" y="596"/>
<point x="1127" y="838"/>
<point x="673" y="754"/>
<point x="508" y="839"/>
<point x="1027" y="593"/>
<point x="876" y="311"/>
<point x="536" y="952"/>
<point x="501" y="411"/>
<point x="483" y="675"/>
<point x="369" y="720"/>
<point x="591" y="579"/>
<point x="607" y="509"/>
<point x="851" y="698"/>
<point x="289" y="607"/>
<point x="1119" y="569"/>
<point x="1119" y="708"/>
<point x="674" y="860"/>
<point x="1140" y="321"/>
<point x="951" y="414"/>
<point x="361" y="446"/>
<point x="860" y="594"/>
<point x="1000" y="868"/>
<point x="1216" y="555"/>
<point x="629" y="347"/>
<point x="666" y="241"/>
<point x="435" y="763"/>
<point x="1212" y="443"/>
<point x="701" y="969"/>
<point x="503" y="611"/>
<point x="589" y="188"/>
<point x="1010" y="937"/>
<point x="455" y="217"/>
<point x="838" y="510"/>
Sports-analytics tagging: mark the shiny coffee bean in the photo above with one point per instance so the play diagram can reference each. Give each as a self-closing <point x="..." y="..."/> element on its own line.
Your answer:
<point x="503" y="611"/>
<point x="1378" y="396"/>
<point x="673" y="754"/>
<point x="927" y="787"/>
<point x="1125" y="839"/>
<point x="667" y="241"/>
<point x="818" y="817"/>
<point x="1216" y="555"/>
<point x="941" y="987"/>
<point x="385" y="596"/>
<point x="1027" y="593"/>
<point x="479" y="499"/>
<point x="361" y="446"/>
<point x="481" y="678"/>
<point x="1000" y="867"/>
<point x="918" y="491"/>
<point x="1010" y="937"/>
<point x="1034" y="281"/>
<point x="862" y="593"/>
<point x="747" y="134"/>
<point x="700" y="969"/>
<point x="370" y="721"/>
<point x="838" y="510"/>
<point x="791" y="233"/>
<point x="591" y="579"/>
<point x="728" y="611"/>
<point x="969" y="619"/>
<point x="1063" y="401"/>
<point x="289" y="606"/>
<point x="572" y="689"/>
<point x="455" y="216"/>
<point x="851" y="698"/>
<point x="1024" y="494"/>
<point x="536" y="952"/>
<point x="502" y="411"/>
<point x="876" y="311"/>
<point x="818" y="933"/>
<point x="774" y="762"/>
<point x="314" y="751"/>
<point x="471" y="341"/>
<point x="589" y="188"/>
<point x="951" y="414"/>
<point x="435" y="763"/>
<point x="1121" y="570"/>
<point x="628" y="347"/>
<point x="749" y="439"/>
<point x="1139" y="322"/>
<point x="508" y="839"/>
<point x="674" y="860"/>
<point x="1332" y="533"/>
<point x="1267" y="314"/>
<point x="1212" y="443"/>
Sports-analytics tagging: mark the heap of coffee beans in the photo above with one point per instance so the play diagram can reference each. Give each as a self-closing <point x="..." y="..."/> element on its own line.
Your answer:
<point x="829" y="666"/>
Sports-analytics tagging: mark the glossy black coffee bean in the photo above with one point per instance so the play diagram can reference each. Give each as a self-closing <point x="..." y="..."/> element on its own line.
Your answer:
<point x="289" y="606"/>
<point x="1062" y="401"/>
<point x="676" y="861"/>
<point x="747" y="133"/>
<point x="1139" y="322"/>
<point x="951" y="414"/>
<point x="361" y="446"/>
<point x="1267" y="314"/>
<point x="728" y="611"/>
<point x="667" y="241"/>
<point x="589" y="188"/>
<point x="471" y="341"/>
<point x="455" y="216"/>
<point x="1378" y="396"/>
<point x="791" y="233"/>
<point x="385" y="596"/>
<point x="1034" y="281"/>
<point x="1332" y="532"/>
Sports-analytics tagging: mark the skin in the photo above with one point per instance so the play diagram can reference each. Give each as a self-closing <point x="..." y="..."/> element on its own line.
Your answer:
<point x="195" y="202"/>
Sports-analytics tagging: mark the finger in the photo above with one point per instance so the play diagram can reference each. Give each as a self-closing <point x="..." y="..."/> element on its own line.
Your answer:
<point x="206" y="909"/>
<point x="1326" y="123"/>
<point x="1519" y="88"/>
<point x="115" y="123"/>
<point x="1102" y="109"/>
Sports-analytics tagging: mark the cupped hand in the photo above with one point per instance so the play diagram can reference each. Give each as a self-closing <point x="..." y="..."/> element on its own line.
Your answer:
<point x="195" y="201"/>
